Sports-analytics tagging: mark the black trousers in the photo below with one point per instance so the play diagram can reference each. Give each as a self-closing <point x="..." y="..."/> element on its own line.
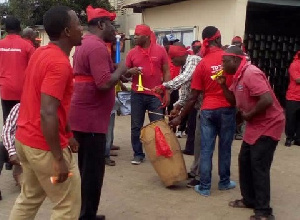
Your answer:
<point x="191" y="128"/>
<point x="91" y="162"/>
<point x="254" y="171"/>
<point x="292" y="127"/>
<point x="3" y="156"/>
<point x="7" y="105"/>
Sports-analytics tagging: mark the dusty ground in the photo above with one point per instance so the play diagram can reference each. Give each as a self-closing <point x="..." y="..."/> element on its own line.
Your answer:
<point x="136" y="193"/>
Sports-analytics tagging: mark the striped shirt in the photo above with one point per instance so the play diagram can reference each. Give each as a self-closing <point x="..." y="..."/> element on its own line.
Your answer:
<point x="9" y="130"/>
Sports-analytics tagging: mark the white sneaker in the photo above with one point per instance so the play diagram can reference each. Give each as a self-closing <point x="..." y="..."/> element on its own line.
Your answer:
<point x="179" y="134"/>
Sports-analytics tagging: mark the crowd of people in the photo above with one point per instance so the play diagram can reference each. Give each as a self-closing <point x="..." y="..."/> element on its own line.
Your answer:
<point x="52" y="109"/>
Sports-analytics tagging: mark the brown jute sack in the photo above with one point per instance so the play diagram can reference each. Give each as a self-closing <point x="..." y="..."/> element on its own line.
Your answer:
<point x="170" y="170"/>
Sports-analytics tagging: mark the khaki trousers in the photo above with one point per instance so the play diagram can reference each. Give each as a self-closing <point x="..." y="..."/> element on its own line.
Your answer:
<point x="36" y="186"/>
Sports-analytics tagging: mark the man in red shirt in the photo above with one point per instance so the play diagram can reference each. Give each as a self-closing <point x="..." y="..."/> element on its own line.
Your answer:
<point x="253" y="95"/>
<point x="92" y="102"/>
<point x="150" y="60"/>
<point x="15" y="53"/>
<point x="292" y="111"/>
<point x="43" y="134"/>
<point x="217" y="115"/>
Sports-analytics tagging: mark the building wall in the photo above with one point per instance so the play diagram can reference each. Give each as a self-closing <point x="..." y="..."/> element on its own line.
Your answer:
<point x="227" y="15"/>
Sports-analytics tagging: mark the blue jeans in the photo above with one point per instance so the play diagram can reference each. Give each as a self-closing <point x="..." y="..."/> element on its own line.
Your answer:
<point x="139" y="104"/>
<point x="218" y="122"/>
<point x="110" y="134"/>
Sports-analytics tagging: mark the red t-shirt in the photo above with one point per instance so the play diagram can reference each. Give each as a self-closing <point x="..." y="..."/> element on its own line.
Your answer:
<point x="247" y="88"/>
<point x="214" y="97"/>
<point x="91" y="107"/>
<point x="15" y="53"/>
<point x="49" y="72"/>
<point x="137" y="58"/>
<point x="174" y="70"/>
<point x="293" y="92"/>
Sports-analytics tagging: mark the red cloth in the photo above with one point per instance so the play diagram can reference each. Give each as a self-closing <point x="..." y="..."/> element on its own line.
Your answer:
<point x="237" y="39"/>
<point x="139" y="57"/>
<point x="91" y="107"/>
<point x="174" y="70"/>
<point x="177" y="51"/>
<point x="15" y="53"/>
<point x="293" y="92"/>
<point x="99" y="13"/>
<point x="197" y="44"/>
<point x="247" y="88"/>
<point x="213" y="94"/>
<point x="243" y="63"/>
<point x="161" y="144"/>
<point x="49" y="72"/>
<point x="205" y="47"/>
<point x="142" y="30"/>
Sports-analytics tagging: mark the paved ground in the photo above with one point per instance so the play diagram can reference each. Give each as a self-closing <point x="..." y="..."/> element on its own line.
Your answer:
<point x="136" y="193"/>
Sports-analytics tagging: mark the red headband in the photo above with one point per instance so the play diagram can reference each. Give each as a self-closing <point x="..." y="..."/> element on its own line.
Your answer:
<point x="243" y="63"/>
<point x="237" y="39"/>
<point x="99" y="13"/>
<point x="205" y="44"/>
<point x="177" y="51"/>
<point x="143" y="30"/>
<point x="296" y="57"/>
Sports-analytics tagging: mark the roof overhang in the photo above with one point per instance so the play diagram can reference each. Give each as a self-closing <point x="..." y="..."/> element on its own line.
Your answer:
<point x="139" y="5"/>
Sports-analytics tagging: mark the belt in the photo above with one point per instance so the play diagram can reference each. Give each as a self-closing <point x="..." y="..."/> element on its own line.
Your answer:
<point x="83" y="78"/>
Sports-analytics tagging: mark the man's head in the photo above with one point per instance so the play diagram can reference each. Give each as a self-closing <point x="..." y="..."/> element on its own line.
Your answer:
<point x="196" y="46"/>
<point x="100" y="23"/>
<point x="232" y="59"/>
<point x="169" y="39"/>
<point x="178" y="53"/>
<point x="212" y="35"/>
<point x="28" y="33"/>
<point x="62" y="24"/>
<point x="142" y="35"/>
<point x="237" y="41"/>
<point x="12" y="25"/>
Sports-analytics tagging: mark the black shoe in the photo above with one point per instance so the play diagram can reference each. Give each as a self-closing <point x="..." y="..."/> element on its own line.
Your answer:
<point x="110" y="162"/>
<point x="297" y="142"/>
<point x="0" y="195"/>
<point x="288" y="142"/>
<point x="187" y="153"/>
<point x="100" y="217"/>
<point x="193" y="183"/>
<point x="8" y="166"/>
<point x="191" y="176"/>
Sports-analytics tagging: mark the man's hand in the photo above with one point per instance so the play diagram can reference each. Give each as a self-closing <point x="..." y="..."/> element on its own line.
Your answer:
<point x="247" y="116"/>
<point x="159" y="89"/>
<point x="175" y="122"/>
<point x="134" y="71"/>
<point x="61" y="170"/>
<point x="14" y="160"/>
<point x="74" y="145"/>
<point x="221" y="80"/>
<point x="175" y="112"/>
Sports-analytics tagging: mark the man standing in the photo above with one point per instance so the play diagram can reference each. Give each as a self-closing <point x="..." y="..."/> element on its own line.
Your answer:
<point x="196" y="47"/>
<point x="217" y="114"/>
<point x="151" y="61"/>
<point x="255" y="98"/>
<point x="92" y="102"/>
<point x="15" y="53"/>
<point x="29" y="35"/>
<point x="292" y="129"/>
<point x="43" y="135"/>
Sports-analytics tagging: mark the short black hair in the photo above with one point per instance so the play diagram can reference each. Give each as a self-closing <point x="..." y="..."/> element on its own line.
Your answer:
<point x="12" y="24"/>
<point x="55" y="20"/>
<point x="195" y="41"/>
<point x="95" y="21"/>
<point x="167" y="42"/>
<point x="209" y="31"/>
<point x="235" y="50"/>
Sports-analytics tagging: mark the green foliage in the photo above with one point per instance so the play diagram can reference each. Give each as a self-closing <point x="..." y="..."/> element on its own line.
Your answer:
<point x="31" y="12"/>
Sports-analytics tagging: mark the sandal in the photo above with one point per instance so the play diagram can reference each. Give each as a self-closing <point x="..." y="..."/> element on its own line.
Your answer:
<point x="238" y="204"/>
<point x="259" y="217"/>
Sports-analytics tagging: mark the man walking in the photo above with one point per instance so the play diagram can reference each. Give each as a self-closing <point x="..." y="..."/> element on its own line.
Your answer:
<point x="92" y="102"/>
<point x="151" y="61"/>
<point x="292" y="128"/>
<point x="217" y="114"/>
<point x="43" y="135"/>
<point x="255" y="98"/>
